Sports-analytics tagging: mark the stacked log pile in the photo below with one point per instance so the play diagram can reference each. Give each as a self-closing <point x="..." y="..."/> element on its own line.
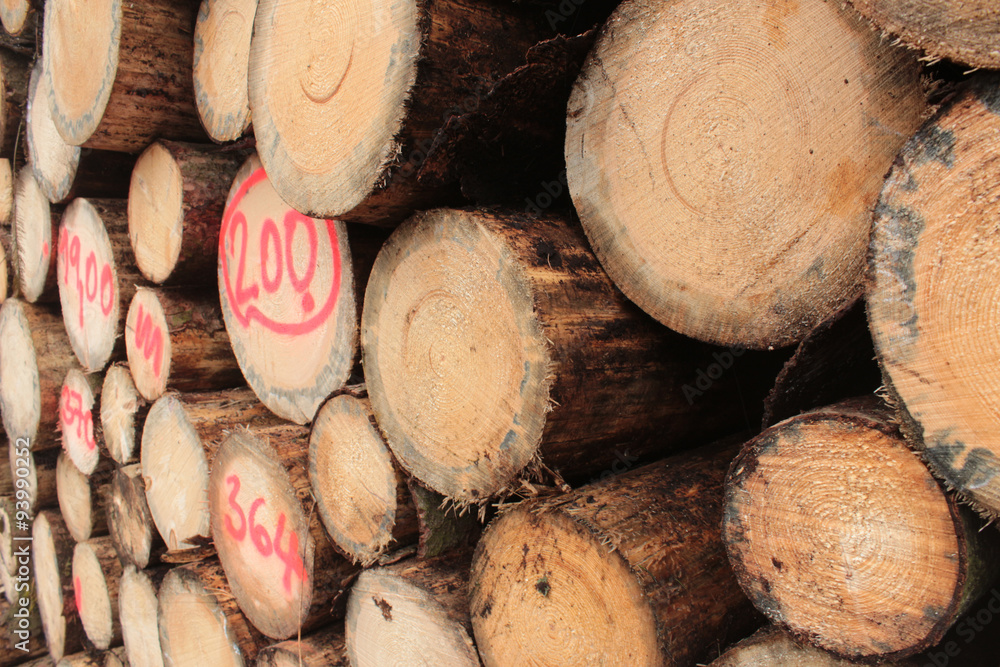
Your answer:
<point x="548" y="333"/>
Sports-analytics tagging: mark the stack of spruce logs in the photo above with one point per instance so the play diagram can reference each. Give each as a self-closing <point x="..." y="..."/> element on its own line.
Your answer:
<point x="485" y="333"/>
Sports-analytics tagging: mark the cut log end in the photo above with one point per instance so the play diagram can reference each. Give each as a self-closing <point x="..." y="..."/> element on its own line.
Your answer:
<point x="93" y="597"/>
<point x="295" y="100"/>
<point x="129" y="522"/>
<point x="6" y="192"/>
<point x="88" y="284"/>
<point x="523" y="587"/>
<point x="221" y="63"/>
<point x="138" y="610"/>
<point x="772" y="646"/>
<point x="449" y="320"/>
<point x="14" y="15"/>
<point x="291" y="317"/>
<point x="33" y="229"/>
<point x="818" y="533"/>
<point x="390" y="619"/>
<point x="76" y="422"/>
<point x="155" y="213"/>
<point x="53" y="161"/>
<point x="20" y="393"/>
<point x="147" y="344"/>
<point x="176" y="474"/>
<point x="76" y="502"/>
<point x="50" y="545"/>
<point x="801" y="143"/>
<point x="194" y="629"/>
<point x="353" y="478"/>
<point x="80" y="59"/>
<point x="931" y="302"/>
<point x="262" y="535"/>
<point x="120" y="402"/>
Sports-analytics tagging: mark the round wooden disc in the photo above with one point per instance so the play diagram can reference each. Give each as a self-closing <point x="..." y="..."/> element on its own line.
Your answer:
<point x="262" y="535"/>
<point x="353" y="479"/>
<point x="128" y="518"/>
<point x="312" y="66"/>
<point x="119" y="403"/>
<point x="92" y="600"/>
<point x="53" y="161"/>
<point x="543" y="588"/>
<point x="20" y="393"/>
<point x="147" y="344"/>
<point x="391" y="622"/>
<point x="287" y="292"/>
<point x="193" y="628"/>
<point x="137" y="609"/>
<point x="14" y="15"/>
<point x="932" y="305"/>
<point x="75" y="498"/>
<point x="727" y="188"/>
<point x="80" y="58"/>
<point x="176" y="473"/>
<point x="221" y="62"/>
<point x="6" y="191"/>
<point x="88" y="285"/>
<point x="456" y="362"/>
<point x="965" y="31"/>
<point x="76" y="422"/>
<point x="33" y="236"/>
<point x="49" y="586"/>
<point x="876" y="556"/>
<point x="156" y="213"/>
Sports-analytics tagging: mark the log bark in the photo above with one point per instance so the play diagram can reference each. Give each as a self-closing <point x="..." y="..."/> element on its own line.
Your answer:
<point x="96" y="276"/>
<point x="122" y="409"/>
<point x="199" y="618"/>
<point x="221" y="66"/>
<point x="964" y="32"/>
<point x="15" y="70"/>
<point x="437" y="58"/>
<point x="280" y="564"/>
<point x="323" y="648"/>
<point x="64" y="171"/>
<point x="80" y="429"/>
<point x="176" y="199"/>
<point x="291" y="314"/>
<point x="82" y="498"/>
<point x="139" y="614"/>
<point x="122" y="77"/>
<point x="179" y="440"/>
<point x="178" y="340"/>
<point x="52" y="548"/>
<point x="7" y="275"/>
<point x="495" y="347"/>
<point x="35" y="355"/>
<point x="41" y="491"/>
<point x="417" y="606"/>
<point x="129" y="522"/>
<point x="822" y="511"/>
<point x="630" y="570"/>
<point x="931" y="294"/>
<point x="835" y="361"/>
<point x="36" y="226"/>
<point x="96" y="577"/>
<point x="732" y="201"/>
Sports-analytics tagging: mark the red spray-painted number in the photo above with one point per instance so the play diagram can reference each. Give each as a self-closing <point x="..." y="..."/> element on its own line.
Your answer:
<point x="74" y="414"/>
<point x="261" y="539"/>
<point x="149" y="339"/>
<point x="93" y="281"/>
<point x="279" y="281"/>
